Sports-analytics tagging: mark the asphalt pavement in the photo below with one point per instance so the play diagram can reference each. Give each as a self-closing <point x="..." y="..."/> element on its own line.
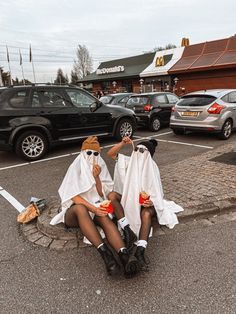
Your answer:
<point x="192" y="270"/>
<point x="192" y="266"/>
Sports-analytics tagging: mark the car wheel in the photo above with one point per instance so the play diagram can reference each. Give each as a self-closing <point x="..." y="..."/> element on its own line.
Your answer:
<point x="226" y="130"/>
<point x="125" y="127"/>
<point x="31" y="145"/>
<point x="178" y="131"/>
<point x="155" y="124"/>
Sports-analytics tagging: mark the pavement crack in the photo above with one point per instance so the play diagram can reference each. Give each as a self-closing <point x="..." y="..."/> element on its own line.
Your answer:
<point x="7" y="260"/>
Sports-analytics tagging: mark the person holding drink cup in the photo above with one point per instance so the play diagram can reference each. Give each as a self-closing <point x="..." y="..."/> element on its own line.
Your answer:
<point x="84" y="204"/>
<point x="138" y="189"/>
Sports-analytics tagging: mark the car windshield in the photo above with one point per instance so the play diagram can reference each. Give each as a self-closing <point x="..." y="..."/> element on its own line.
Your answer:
<point x="106" y="99"/>
<point x="196" y="100"/>
<point x="139" y="100"/>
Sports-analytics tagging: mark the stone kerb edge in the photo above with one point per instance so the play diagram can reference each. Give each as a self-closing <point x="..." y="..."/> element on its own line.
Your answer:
<point x="40" y="232"/>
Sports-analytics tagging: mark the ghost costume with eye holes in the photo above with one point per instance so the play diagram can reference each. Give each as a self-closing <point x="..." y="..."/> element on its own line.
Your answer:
<point x="141" y="173"/>
<point x="79" y="180"/>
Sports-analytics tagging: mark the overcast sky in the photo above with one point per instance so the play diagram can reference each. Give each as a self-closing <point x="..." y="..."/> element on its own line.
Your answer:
<point x="109" y="29"/>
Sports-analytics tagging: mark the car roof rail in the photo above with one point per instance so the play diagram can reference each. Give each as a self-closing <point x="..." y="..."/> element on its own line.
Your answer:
<point x="40" y="84"/>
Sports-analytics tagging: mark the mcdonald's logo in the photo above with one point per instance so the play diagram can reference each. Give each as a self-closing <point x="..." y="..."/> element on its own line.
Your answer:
<point x="160" y="61"/>
<point x="185" y="42"/>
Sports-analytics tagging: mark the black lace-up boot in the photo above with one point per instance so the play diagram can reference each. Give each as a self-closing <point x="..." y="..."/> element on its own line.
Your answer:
<point x="130" y="263"/>
<point x="143" y="261"/>
<point x="110" y="262"/>
<point x="129" y="237"/>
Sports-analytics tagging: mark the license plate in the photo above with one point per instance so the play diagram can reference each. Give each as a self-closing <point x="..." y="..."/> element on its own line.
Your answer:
<point x="189" y="113"/>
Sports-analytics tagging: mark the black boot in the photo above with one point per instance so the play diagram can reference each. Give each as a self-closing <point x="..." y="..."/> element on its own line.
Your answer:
<point x="110" y="262"/>
<point x="130" y="263"/>
<point x="129" y="237"/>
<point x="143" y="262"/>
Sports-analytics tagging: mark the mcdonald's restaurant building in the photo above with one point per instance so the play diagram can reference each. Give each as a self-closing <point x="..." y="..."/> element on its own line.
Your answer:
<point x="121" y="75"/>
<point x="185" y="69"/>
<point x="207" y="65"/>
<point x="142" y="73"/>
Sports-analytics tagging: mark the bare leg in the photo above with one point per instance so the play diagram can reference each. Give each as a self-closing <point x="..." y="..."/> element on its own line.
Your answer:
<point x="111" y="232"/>
<point x="78" y="216"/>
<point x="146" y="220"/>
<point x="129" y="235"/>
<point x="115" y="199"/>
<point x="130" y="263"/>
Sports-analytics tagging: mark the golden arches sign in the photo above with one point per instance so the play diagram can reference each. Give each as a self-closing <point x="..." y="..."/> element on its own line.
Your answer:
<point x="160" y="61"/>
<point x="185" y="42"/>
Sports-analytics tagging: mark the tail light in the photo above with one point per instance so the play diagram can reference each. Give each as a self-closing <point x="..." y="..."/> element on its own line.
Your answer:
<point x="173" y="109"/>
<point x="147" y="108"/>
<point x="215" y="109"/>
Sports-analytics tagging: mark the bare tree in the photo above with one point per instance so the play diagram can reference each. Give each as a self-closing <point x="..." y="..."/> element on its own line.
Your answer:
<point x="61" y="78"/>
<point x="73" y="77"/>
<point x="83" y="64"/>
<point x="169" y="46"/>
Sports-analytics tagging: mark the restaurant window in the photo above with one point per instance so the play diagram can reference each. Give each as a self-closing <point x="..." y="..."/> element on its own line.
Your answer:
<point x="106" y="86"/>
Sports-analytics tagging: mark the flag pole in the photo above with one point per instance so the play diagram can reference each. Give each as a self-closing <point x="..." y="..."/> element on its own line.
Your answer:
<point x="1" y="80"/>
<point x="21" y="64"/>
<point x="9" y="66"/>
<point x="31" y="60"/>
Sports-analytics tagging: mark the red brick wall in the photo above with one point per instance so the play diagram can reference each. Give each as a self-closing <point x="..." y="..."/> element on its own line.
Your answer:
<point x="190" y="82"/>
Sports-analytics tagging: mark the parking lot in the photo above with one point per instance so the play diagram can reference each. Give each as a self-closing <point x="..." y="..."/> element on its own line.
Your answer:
<point x="76" y="278"/>
<point x="42" y="178"/>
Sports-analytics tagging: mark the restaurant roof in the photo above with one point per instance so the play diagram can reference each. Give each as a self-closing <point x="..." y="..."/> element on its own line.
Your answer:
<point x="170" y="57"/>
<point x="207" y="56"/>
<point x="120" y="68"/>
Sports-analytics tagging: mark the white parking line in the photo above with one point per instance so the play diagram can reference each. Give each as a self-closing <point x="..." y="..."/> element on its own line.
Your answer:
<point x="38" y="161"/>
<point x="154" y="135"/>
<point x="173" y="142"/>
<point x="137" y="138"/>
<point x="188" y="144"/>
<point x="11" y="200"/>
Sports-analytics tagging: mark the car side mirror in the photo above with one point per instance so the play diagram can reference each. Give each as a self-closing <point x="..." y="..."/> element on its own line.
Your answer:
<point x="94" y="106"/>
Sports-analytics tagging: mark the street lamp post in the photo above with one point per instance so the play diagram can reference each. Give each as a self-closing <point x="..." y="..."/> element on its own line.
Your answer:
<point x="153" y="84"/>
<point x="114" y="85"/>
<point x="176" y="80"/>
<point x="175" y="83"/>
<point x="141" y="81"/>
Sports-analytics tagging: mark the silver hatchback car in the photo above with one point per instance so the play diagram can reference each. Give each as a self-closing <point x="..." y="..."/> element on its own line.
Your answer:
<point x="209" y="111"/>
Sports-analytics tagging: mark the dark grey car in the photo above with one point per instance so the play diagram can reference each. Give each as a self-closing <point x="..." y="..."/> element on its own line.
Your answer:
<point x="119" y="99"/>
<point x="153" y="109"/>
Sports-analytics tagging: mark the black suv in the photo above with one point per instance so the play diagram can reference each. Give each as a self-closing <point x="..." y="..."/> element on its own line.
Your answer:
<point x="32" y="118"/>
<point x="153" y="109"/>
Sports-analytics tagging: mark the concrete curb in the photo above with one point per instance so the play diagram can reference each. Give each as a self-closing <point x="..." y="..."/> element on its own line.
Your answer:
<point x="41" y="233"/>
<point x="216" y="208"/>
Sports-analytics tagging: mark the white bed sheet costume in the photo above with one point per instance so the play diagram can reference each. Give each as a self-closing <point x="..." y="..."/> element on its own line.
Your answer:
<point x="79" y="180"/>
<point x="140" y="173"/>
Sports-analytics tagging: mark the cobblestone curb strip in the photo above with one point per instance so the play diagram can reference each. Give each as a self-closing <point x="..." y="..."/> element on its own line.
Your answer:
<point x="61" y="240"/>
<point x="40" y="232"/>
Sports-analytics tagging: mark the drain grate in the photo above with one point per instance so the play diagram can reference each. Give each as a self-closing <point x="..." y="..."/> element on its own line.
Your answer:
<point x="227" y="158"/>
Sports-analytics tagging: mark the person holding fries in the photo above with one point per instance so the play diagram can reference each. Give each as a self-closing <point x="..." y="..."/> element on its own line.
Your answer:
<point x="84" y="204"/>
<point x="138" y="195"/>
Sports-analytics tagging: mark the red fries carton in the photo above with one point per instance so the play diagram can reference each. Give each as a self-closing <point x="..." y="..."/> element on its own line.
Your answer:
<point x="108" y="206"/>
<point x="143" y="196"/>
